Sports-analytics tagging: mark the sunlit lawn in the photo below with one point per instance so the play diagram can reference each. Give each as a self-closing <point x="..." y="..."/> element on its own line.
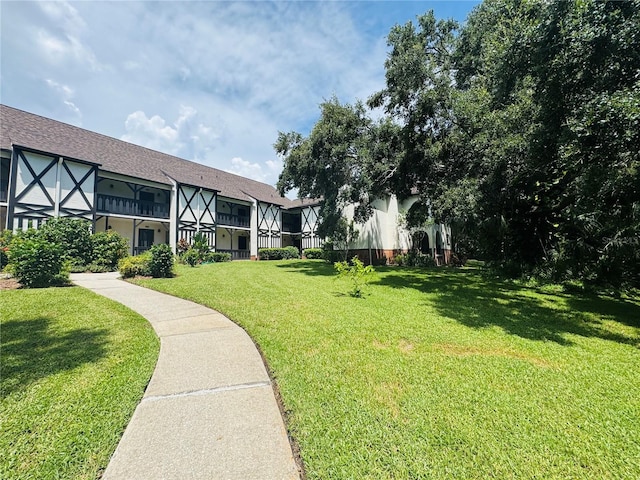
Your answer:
<point x="438" y="373"/>
<point x="73" y="368"/>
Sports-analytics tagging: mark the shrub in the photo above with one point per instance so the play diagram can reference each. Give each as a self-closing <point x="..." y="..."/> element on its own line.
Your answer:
<point x="5" y="240"/>
<point x="357" y="273"/>
<point x="36" y="262"/>
<point x="182" y="246"/>
<point x="162" y="261"/>
<point x="200" y="244"/>
<point x="329" y="254"/>
<point x="73" y="235"/>
<point x="284" y="253"/>
<point x="216" y="257"/>
<point x="191" y="257"/>
<point x="414" y="259"/>
<point x="313" y="253"/>
<point x="135" y="265"/>
<point x="107" y="250"/>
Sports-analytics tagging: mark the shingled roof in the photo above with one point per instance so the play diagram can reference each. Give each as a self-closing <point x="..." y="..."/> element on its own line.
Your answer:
<point x="116" y="156"/>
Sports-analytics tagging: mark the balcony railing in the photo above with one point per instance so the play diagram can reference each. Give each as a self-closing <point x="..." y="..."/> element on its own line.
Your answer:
<point x="232" y="220"/>
<point x="237" y="254"/>
<point x="292" y="227"/>
<point x="130" y="206"/>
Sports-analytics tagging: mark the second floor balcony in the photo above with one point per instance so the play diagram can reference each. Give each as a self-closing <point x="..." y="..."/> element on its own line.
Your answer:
<point x="233" y="220"/>
<point x="129" y="206"/>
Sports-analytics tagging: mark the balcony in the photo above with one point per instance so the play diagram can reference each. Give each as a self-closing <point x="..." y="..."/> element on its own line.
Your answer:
<point x="291" y="227"/>
<point x="237" y="254"/>
<point x="130" y="206"/>
<point x="233" y="220"/>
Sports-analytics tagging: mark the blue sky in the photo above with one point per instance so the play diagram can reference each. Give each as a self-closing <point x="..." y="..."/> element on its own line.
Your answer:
<point x="208" y="81"/>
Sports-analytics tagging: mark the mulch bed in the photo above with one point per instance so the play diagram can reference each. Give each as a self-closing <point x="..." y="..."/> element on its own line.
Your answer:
<point x="9" y="284"/>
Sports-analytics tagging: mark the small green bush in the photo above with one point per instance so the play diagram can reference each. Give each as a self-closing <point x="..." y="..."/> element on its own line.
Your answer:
<point x="415" y="259"/>
<point x="162" y="261"/>
<point x="329" y="254"/>
<point x="191" y="257"/>
<point x="107" y="250"/>
<point x="357" y="273"/>
<point x="135" y="265"/>
<point x="200" y="244"/>
<point x="217" y="257"/>
<point x="313" y="254"/>
<point x="37" y="262"/>
<point x="284" y="253"/>
<point x="5" y="240"/>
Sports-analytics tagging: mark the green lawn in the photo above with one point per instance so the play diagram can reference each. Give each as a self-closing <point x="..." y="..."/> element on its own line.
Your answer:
<point x="74" y="366"/>
<point x="438" y="373"/>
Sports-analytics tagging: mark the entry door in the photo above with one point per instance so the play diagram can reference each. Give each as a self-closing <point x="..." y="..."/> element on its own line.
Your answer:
<point x="242" y="243"/>
<point x="145" y="238"/>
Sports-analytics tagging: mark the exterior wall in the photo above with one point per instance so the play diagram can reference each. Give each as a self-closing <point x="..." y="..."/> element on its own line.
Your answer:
<point x="230" y="239"/>
<point x="5" y="167"/>
<point x="269" y="225"/>
<point x="130" y="229"/>
<point x="310" y="218"/>
<point x="382" y="236"/>
<point x="196" y="213"/>
<point x="43" y="186"/>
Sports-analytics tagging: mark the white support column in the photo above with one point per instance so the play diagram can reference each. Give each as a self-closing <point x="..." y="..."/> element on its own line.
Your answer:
<point x="253" y="221"/>
<point x="173" y="217"/>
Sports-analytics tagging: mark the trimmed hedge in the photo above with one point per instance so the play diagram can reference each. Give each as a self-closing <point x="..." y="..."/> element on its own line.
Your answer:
<point x="132" y="266"/>
<point x="216" y="257"/>
<point x="284" y="253"/>
<point x="313" y="254"/>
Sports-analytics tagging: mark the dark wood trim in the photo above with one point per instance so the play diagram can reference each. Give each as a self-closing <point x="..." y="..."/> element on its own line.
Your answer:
<point x="36" y="179"/>
<point x="77" y="185"/>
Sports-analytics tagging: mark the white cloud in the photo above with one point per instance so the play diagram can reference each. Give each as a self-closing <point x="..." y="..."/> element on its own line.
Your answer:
<point x="267" y="172"/>
<point x="66" y="93"/>
<point x="188" y="137"/>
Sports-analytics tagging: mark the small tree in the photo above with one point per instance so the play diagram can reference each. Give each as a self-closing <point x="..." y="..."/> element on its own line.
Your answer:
<point x="357" y="272"/>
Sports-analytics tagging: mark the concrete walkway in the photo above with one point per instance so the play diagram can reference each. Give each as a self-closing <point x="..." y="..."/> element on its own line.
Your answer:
<point x="209" y="411"/>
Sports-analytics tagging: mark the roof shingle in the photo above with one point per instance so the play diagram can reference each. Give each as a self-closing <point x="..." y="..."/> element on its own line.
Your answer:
<point x="117" y="156"/>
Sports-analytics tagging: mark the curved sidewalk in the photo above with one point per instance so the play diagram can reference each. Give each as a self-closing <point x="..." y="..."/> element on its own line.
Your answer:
<point x="209" y="411"/>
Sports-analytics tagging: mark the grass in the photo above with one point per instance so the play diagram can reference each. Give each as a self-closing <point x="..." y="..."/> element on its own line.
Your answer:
<point x="438" y="373"/>
<point x="74" y="366"/>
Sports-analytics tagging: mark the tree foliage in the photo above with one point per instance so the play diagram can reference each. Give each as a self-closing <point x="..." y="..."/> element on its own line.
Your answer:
<point x="343" y="160"/>
<point x="521" y="129"/>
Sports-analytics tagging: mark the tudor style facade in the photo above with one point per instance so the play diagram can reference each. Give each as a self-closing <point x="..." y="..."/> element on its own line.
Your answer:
<point x="50" y="169"/>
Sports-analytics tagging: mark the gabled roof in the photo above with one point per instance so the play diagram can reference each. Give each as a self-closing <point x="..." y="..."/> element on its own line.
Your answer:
<point x="116" y="156"/>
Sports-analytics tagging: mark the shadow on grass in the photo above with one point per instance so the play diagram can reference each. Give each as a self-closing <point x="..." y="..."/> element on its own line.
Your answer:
<point x="31" y="351"/>
<point x="313" y="268"/>
<point x="478" y="302"/>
